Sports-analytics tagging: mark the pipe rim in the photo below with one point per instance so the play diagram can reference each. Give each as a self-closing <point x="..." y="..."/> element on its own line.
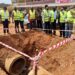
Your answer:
<point x="9" y="62"/>
<point x="20" y="70"/>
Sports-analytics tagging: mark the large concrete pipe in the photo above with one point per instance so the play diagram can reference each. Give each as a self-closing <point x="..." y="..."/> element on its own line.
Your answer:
<point x="15" y="65"/>
<point x="11" y="62"/>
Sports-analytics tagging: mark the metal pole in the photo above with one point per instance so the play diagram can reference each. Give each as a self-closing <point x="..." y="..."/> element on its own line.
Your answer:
<point x="36" y="70"/>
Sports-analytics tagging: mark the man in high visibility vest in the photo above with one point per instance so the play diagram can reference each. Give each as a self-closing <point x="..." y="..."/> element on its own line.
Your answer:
<point x="5" y="20"/>
<point x="21" y="20"/>
<point x="65" y="16"/>
<point x="32" y="18"/>
<point x="69" y="25"/>
<point x="55" y="19"/>
<point x="16" y="19"/>
<point x="62" y="23"/>
<point x="52" y="21"/>
<point x="45" y="19"/>
<point x="39" y="18"/>
<point x="73" y="14"/>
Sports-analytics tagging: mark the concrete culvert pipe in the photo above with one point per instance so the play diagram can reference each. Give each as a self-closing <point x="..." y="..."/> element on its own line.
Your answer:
<point x="15" y="65"/>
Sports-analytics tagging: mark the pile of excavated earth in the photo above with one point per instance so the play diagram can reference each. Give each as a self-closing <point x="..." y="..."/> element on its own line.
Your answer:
<point x="59" y="61"/>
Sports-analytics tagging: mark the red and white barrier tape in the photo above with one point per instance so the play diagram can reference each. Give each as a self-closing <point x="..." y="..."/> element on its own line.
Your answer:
<point x="54" y="30"/>
<point x="41" y="53"/>
<point x="35" y="62"/>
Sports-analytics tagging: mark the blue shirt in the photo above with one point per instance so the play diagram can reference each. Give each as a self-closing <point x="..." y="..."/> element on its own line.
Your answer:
<point x="55" y="14"/>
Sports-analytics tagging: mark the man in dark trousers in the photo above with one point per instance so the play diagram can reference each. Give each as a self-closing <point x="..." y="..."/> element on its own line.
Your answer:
<point x="32" y="17"/>
<point x="16" y="19"/>
<point x="39" y="18"/>
<point x="21" y="20"/>
<point x="5" y="20"/>
<point x="62" y="23"/>
<point x="55" y="18"/>
<point x="45" y="19"/>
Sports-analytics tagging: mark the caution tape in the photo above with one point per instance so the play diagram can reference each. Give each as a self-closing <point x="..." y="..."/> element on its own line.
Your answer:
<point x="42" y="52"/>
<point x="54" y="30"/>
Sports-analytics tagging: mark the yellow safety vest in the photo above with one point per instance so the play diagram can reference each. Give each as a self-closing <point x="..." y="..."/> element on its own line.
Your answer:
<point x="16" y="15"/>
<point x="73" y="14"/>
<point x="62" y="18"/>
<point x="46" y="15"/>
<point x="21" y="16"/>
<point x="69" y="17"/>
<point x="32" y="14"/>
<point x="74" y="21"/>
<point x="3" y="15"/>
<point x="65" y="14"/>
<point x="52" y="16"/>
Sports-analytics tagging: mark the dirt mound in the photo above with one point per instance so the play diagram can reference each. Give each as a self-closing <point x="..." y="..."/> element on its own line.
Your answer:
<point x="27" y="41"/>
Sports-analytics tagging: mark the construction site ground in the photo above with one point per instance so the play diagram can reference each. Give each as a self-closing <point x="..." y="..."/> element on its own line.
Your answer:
<point x="59" y="61"/>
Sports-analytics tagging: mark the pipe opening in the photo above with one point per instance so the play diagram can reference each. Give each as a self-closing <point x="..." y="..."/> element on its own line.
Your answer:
<point x="17" y="66"/>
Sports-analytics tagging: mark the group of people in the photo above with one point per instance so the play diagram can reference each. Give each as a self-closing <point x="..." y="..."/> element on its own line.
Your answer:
<point x="46" y="18"/>
<point x="63" y="17"/>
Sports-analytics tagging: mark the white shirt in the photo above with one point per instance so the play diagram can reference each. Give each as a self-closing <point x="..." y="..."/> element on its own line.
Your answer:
<point x="26" y="20"/>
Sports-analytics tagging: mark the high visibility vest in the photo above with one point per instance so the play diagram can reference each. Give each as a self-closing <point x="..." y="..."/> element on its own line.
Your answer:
<point x="73" y="14"/>
<point x="32" y="14"/>
<point x="21" y="16"/>
<point x="3" y="15"/>
<point x="62" y="18"/>
<point x="74" y="21"/>
<point x="52" y="16"/>
<point x="65" y="14"/>
<point x="69" y="17"/>
<point x="45" y="15"/>
<point x="16" y="15"/>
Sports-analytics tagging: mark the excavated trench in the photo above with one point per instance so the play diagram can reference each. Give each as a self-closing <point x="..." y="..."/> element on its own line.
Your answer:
<point x="28" y="42"/>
